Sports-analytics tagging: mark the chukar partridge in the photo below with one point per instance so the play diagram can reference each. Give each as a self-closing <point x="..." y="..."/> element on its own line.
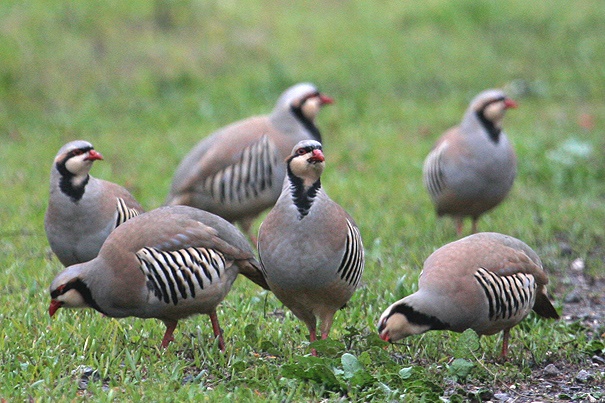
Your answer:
<point x="487" y="282"/>
<point x="237" y="171"/>
<point x="472" y="166"/>
<point x="169" y="263"/>
<point x="82" y="210"/>
<point x="309" y="247"/>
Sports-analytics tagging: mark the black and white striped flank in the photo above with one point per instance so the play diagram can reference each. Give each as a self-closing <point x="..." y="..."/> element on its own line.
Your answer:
<point x="180" y="274"/>
<point x="433" y="172"/>
<point x="507" y="296"/>
<point x="248" y="177"/>
<point x="124" y="213"/>
<point x="351" y="266"/>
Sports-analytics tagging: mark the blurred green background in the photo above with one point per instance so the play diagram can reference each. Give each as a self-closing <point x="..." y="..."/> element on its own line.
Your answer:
<point x="146" y="80"/>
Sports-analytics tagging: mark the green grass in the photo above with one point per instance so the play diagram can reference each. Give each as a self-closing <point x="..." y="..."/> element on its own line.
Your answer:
<point x="144" y="81"/>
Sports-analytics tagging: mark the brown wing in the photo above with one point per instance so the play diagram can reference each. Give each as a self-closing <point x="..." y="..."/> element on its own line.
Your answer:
<point x="218" y="151"/>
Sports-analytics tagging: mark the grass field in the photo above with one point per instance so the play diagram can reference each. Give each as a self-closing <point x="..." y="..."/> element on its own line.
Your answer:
<point x="145" y="80"/>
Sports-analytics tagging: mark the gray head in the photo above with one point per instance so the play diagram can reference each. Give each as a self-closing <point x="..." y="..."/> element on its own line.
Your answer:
<point x="302" y="97"/>
<point x="401" y="319"/>
<point x="492" y="105"/>
<point x="70" y="290"/>
<point x="306" y="161"/>
<point x="76" y="158"/>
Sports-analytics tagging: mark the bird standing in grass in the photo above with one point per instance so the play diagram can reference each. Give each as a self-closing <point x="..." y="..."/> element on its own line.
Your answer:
<point x="169" y="263"/>
<point x="82" y="210"/>
<point x="237" y="171"/>
<point x="471" y="168"/>
<point x="310" y="248"/>
<point x="487" y="282"/>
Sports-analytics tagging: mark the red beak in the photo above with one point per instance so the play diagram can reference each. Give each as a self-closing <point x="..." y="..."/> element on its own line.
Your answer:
<point x="509" y="103"/>
<point x="54" y="305"/>
<point x="317" y="156"/>
<point x="94" y="155"/>
<point x="385" y="336"/>
<point x="325" y="99"/>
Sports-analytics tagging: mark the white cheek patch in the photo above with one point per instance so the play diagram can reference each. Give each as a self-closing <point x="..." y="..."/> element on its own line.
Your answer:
<point x="298" y="166"/>
<point x="78" y="165"/>
<point x="72" y="299"/>
<point x="309" y="173"/>
<point x="494" y="112"/>
<point x="311" y="108"/>
<point x="398" y="327"/>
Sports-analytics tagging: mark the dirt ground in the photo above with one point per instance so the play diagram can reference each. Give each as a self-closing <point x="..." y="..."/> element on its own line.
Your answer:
<point x="584" y="304"/>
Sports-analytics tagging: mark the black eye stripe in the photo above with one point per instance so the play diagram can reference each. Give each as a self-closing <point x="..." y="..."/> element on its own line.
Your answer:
<point x="78" y="151"/>
<point x="63" y="289"/>
<point x="306" y="98"/>
<point x="81" y="287"/>
<point x="493" y="101"/>
<point x="418" y="318"/>
<point x="307" y="149"/>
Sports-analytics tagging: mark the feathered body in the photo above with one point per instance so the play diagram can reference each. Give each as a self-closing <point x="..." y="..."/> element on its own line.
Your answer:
<point x="487" y="282"/>
<point x="310" y="249"/>
<point x="83" y="210"/>
<point x="169" y="263"/>
<point x="237" y="171"/>
<point x="472" y="167"/>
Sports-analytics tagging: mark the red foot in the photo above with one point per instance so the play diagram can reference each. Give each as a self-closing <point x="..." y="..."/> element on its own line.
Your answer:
<point x="170" y="326"/>
<point x="217" y="330"/>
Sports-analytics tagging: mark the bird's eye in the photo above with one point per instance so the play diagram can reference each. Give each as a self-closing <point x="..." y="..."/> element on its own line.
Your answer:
<point x="301" y="151"/>
<point x="59" y="291"/>
<point x="77" y="152"/>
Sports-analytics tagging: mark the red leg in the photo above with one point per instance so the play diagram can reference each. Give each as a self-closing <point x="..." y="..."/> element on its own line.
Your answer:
<point x="312" y="338"/>
<point x="505" y="336"/>
<point x="475" y="221"/>
<point x="170" y="326"/>
<point x="217" y="330"/>
<point x="459" y="226"/>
